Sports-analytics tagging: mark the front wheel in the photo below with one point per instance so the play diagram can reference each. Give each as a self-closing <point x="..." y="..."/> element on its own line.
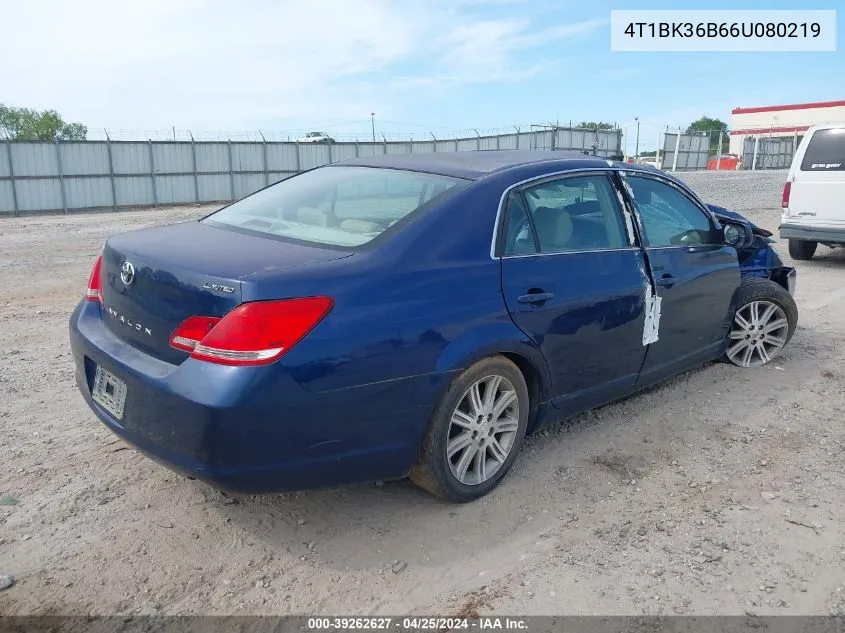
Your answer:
<point x="802" y="249"/>
<point x="475" y="432"/>
<point x="764" y="322"/>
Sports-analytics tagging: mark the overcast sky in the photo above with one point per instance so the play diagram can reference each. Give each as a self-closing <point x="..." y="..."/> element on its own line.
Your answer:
<point x="421" y="65"/>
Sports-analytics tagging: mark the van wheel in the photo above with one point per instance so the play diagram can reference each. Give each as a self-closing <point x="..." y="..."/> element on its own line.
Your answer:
<point x="475" y="432"/>
<point x="764" y="322"/>
<point x="802" y="249"/>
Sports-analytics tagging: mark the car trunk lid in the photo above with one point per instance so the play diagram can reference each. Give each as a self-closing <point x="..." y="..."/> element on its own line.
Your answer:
<point x="154" y="279"/>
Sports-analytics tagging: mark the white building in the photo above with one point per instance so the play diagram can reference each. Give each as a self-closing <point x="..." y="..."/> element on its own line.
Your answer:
<point x="781" y="121"/>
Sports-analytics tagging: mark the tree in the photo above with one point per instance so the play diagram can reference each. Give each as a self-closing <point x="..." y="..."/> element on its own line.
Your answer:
<point x="597" y="125"/>
<point x="712" y="128"/>
<point x="23" y="124"/>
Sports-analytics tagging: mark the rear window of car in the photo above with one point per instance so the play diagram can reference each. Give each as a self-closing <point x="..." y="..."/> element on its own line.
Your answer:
<point x="826" y="151"/>
<point x="335" y="206"/>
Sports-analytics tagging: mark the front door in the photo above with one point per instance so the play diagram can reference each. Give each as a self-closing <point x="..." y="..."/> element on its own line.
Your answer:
<point x="694" y="272"/>
<point x="574" y="281"/>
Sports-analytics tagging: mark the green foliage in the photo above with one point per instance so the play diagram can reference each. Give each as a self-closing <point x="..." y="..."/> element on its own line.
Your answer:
<point x="597" y="125"/>
<point x="712" y="127"/>
<point x="24" y="124"/>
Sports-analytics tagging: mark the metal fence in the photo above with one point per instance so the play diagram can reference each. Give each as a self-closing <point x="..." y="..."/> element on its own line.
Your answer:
<point x="71" y="176"/>
<point x="685" y="151"/>
<point x="762" y="152"/>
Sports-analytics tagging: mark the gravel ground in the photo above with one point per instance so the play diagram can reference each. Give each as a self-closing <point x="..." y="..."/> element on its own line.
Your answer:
<point x="719" y="492"/>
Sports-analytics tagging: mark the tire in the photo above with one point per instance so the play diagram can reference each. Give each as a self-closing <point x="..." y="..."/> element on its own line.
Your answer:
<point x="802" y="250"/>
<point x="437" y="472"/>
<point x="763" y="324"/>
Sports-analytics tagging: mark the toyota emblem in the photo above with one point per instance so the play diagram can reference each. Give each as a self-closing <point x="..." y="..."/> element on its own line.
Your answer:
<point x="127" y="273"/>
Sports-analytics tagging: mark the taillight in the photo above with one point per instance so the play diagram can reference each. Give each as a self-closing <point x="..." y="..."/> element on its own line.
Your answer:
<point x="255" y="333"/>
<point x="95" y="287"/>
<point x="787" y="187"/>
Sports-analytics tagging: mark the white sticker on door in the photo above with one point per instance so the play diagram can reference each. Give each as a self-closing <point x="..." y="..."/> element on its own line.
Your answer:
<point x="651" y="327"/>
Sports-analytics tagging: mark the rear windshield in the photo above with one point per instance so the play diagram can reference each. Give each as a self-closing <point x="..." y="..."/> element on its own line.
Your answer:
<point x="335" y="206"/>
<point x="826" y="151"/>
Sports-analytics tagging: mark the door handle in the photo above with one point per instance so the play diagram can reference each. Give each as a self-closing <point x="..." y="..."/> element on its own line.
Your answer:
<point x="535" y="298"/>
<point x="666" y="280"/>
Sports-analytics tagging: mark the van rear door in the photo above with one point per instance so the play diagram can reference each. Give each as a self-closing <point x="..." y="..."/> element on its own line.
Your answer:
<point x="817" y="195"/>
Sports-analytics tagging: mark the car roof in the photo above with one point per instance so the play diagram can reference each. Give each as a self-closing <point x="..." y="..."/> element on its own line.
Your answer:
<point x="476" y="164"/>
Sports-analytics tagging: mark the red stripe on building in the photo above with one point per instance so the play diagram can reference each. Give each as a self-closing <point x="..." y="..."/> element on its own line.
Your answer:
<point x="767" y="130"/>
<point x="794" y="106"/>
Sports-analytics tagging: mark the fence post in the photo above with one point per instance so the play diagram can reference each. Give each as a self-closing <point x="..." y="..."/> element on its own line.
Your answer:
<point x="357" y="153"/>
<point x="477" y="140"/>
<point x="61" y="175"/>
<point x="111" y="172"/>
<point x="298" y="160"/>
<point x="385" y="142"/>
<point x="153" y="172"/>
<point x="719" y="152"/>
<point x="677" y="149"/>
<point x="264" y="155"/>
<point x="15" y="209"/>
<point x="517" y="137"/>
<point x="329" y="146"/>
<point x="756" y="148"/>
<point x="231" y="170"/>
<point x="194" y="163"/>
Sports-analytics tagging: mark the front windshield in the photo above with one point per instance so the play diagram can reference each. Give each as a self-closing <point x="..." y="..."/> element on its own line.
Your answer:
<point x="337" y="206"/>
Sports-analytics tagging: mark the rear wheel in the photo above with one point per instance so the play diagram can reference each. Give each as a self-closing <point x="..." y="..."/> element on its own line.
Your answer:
<point x="802" y="249"/>
<point x="763" y="324"/>
<point x="475" y="432"/>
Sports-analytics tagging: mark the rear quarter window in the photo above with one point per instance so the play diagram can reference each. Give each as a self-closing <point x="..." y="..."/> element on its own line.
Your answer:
<point x="825" y="151"/>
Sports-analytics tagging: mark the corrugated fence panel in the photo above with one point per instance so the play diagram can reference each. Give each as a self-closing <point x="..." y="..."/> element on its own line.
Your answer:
<point x="398" y="148"/>
<point x="247" y="157"/>
<point x="4" y="160"/>
<point x="87" y="193"/>
<point x="212" y="157"/>
<point x="131" y="158"/>
<point x="370" y="149"/>
<point x="172" y="158"/>
<point x="7" y="201"/>
<point x="447" y="146"/>
<point x="133" y="190"/>
<point x="507" y="142"/>
<point x="525" y="141"/>
<point x="277" y="176"/>
<point x="35" y="159"/>
<point x="344" y="152"/>
<point x="489" y="142"/>
<point x="313" y="155"/>
<point x="422" y="146"/>
<point x="467" y="145"/>
<point x="246" y="184"/>
<point x="214" y="188"/>
<point x="281" y="156"/>
<point x="174" y="189"/>
<point x="86" y="159"/>
<point x="39" y="195"/>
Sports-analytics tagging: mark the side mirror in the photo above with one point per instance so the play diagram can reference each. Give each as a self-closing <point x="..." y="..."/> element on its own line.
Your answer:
<point x="736" y="235"/>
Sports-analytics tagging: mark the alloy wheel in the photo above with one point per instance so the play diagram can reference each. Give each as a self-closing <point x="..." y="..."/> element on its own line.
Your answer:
<point x="482" y="430"/>
<point x="758" y="333"/>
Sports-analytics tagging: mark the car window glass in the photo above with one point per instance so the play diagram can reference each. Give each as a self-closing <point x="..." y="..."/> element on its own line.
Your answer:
<point x="519" y="238"/>
<point x="576" y="214"/>
<point x="669" y="217"/>
<point x="825" y="151"/>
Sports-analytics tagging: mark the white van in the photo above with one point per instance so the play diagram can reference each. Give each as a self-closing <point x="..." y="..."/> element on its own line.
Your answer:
<point x="814" y="193"/>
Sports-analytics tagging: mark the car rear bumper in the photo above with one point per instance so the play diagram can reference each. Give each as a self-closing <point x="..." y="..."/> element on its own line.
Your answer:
<point x="248" y="429"/>
<point x="814" y="234"/>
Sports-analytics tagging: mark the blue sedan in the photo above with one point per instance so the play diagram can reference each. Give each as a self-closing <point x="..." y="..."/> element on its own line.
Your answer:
<point x="415" y="316"/>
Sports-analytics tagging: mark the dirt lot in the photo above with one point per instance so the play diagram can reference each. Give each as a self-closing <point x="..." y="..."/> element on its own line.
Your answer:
<point x="722" y="491"/>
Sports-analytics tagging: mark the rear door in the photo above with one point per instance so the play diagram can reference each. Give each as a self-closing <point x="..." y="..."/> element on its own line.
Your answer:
<point x="694" y="272"/>
<point x="817" y="195"/>
<point x="574" y="281"/>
